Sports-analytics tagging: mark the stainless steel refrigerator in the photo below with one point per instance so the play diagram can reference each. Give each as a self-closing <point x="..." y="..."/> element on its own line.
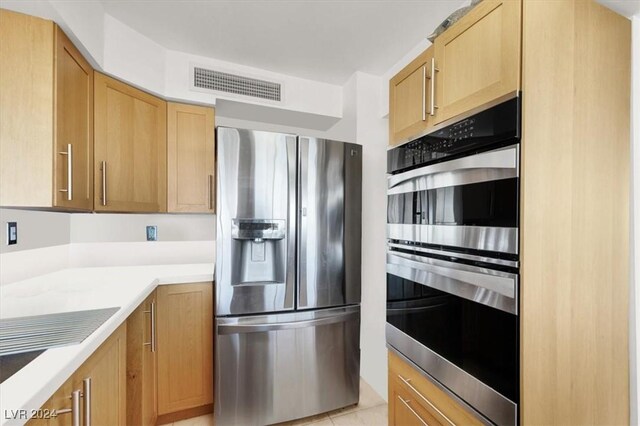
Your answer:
<point x="287" y="276"/>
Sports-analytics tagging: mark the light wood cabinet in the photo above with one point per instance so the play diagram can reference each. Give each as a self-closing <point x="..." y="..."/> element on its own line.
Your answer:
<point x="410" y="112"/>
<point x="477" y="60"/>
<point x="46" y="101"/>
<point x="142" y="406"/>
<point x="185" y="347"/>
<point x="104" y="399"/>
<point x="574" y="226"/>
<point x="415" y="400"/>
<point x="190" y="158"/>
<point x="130" y="148"/>
<point x="73" y="157"/>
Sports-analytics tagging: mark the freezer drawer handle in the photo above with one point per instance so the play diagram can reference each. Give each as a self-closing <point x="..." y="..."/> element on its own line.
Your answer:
<point x="289" y="325"/>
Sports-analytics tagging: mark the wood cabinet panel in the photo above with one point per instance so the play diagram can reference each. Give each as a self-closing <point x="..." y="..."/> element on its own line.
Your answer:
<point x="408" y="99"/>
<point x="422" y="391"/>
<point x="73" y="127"/>
<point x="190" y="158"/>
<point x="142" y="406"/>
<point x="130" y="148"/>
<point x="26" y="110"/>
<point x="478" y="58"/>
<point x="106" y="369"/>
<point x="185" y="346"/>
<point x="575" y="214"/>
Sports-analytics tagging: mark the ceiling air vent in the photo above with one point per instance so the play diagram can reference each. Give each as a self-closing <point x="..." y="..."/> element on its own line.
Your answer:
<point x="230" y="83"/>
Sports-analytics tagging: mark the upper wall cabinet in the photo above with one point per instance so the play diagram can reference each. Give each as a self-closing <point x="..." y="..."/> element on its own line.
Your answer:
<point x="410" y="103"/>
<point x="190" y="158"/>
<point x="477" y="60"/>
<point x="46" y="119"/>
<point x="130" y="148"/>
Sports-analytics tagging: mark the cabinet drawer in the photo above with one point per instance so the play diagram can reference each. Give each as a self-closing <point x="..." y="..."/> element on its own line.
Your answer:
<point x="405" y="409"/>
<point x="437" y="403"/>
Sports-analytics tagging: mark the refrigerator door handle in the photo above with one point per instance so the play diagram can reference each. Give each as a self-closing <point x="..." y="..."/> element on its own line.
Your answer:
<point x="287" y="325"/>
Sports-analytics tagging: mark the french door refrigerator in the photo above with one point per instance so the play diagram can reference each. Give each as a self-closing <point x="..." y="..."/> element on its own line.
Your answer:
<point x="287" y="276"/>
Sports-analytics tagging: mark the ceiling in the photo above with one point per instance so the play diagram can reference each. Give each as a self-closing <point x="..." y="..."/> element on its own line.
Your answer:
<point x="624" y="7"/>
<point x="323" y="40"/>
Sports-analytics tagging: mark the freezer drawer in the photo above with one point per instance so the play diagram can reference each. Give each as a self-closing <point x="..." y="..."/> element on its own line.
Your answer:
<point x="274" y="368"/>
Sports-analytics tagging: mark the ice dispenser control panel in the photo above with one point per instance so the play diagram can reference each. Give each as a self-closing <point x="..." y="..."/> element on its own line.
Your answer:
<point x="258" y="229"/>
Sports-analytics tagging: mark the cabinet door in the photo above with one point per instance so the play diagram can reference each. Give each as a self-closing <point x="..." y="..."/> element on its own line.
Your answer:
<point x="106" y="369"/>
<point x="190" y="158"/>
<point x="73" y="157"/>
<point x="130" y="148"/>
<point x="54" y="411"/>
<point x="26" y="110"/>
<point x="478" y="58"/>
<point x="185" y="346"/>
<point x="142" y="408"/>
<point x="409" y="101"/>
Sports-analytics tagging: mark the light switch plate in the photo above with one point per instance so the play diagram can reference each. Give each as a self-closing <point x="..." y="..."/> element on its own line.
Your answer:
<point x="12" y="233"/>
<point x="152" y="233"/>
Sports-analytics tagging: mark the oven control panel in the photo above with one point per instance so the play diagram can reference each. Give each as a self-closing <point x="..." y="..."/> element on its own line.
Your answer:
<point x="483" y="130"/>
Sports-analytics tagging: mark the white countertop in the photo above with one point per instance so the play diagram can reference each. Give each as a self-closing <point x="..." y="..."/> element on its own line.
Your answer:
<point x="74" y="290"/>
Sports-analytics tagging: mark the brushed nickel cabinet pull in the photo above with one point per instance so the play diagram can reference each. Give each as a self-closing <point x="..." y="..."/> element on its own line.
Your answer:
<point x="152" y="312"/>
<point x="86" y="395"/>
<point x="74" y="410"/>
<point x="406" y="403"/>
<point x="103" y="168"/>
<point x="407" y="382"/>
<point x="210" y="192"/>
<point x="69" y="189"/>
<point x="434" y="70"/>
<point x="153" y="327"/>
<point x="424" y="94"/>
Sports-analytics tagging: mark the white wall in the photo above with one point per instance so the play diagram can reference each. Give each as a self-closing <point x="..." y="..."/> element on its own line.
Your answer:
<point x="634" y="297"/>
<point x="371" y="133"/>
<point x="50" y="241"/>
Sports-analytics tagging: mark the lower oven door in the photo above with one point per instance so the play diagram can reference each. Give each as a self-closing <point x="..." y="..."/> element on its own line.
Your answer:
<point x="459" y="323"/>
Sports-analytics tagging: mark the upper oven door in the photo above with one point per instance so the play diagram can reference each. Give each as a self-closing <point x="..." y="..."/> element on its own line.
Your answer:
<point x="468" y="203"/>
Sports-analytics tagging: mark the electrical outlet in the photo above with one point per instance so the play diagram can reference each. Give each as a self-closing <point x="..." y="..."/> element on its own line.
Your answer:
<point x="152" y="233"/>
<point x="12" y="233"/>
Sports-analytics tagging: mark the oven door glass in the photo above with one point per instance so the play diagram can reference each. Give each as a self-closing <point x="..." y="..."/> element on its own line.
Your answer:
<point x="469" y="203"/>
<point x="481" y="340"/>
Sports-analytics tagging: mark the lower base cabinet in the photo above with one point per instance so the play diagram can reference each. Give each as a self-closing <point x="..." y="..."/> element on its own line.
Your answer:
<point x="156" y="368"/>
<point x="185" y="350"/>
<point x="415" y="400"/>
<point x="96" y="393"/>
<point x="142" y="384"/>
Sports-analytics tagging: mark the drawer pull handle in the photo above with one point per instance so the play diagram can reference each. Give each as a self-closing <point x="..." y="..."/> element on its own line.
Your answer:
<point x="406" y="403"/>
<point x="406" y="382"/>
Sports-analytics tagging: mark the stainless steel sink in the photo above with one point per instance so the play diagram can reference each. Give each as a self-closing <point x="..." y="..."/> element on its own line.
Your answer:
<point x="36" y="333"/>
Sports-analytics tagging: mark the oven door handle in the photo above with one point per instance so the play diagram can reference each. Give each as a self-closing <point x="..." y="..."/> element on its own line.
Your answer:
<point x="484" y="167"/>
<point x="487" y="286"/>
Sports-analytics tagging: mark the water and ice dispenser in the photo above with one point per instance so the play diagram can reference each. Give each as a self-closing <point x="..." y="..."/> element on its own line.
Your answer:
<point x="259" y="248"/>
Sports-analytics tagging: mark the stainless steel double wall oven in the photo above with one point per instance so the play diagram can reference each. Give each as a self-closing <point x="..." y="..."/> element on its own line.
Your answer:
<point x="452" y="258"/>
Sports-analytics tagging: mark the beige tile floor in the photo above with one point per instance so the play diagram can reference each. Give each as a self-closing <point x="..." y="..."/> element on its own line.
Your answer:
<point x="370" y="411"/>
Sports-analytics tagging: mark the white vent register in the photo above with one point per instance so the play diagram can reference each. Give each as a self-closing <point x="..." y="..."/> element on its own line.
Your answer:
<point x="229" y="83"/>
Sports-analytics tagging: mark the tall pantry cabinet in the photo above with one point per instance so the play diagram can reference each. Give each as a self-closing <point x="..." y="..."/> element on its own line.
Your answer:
<point x="569" y="62"/>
